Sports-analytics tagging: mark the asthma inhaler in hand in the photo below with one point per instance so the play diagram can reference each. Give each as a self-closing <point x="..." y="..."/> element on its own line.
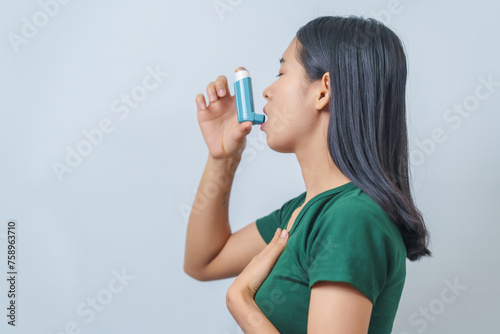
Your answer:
<point x="244" y="97"/>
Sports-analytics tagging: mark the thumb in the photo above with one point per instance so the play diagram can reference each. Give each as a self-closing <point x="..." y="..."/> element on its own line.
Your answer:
<point x="246" y="127"/>
<point x="243" y="130"/>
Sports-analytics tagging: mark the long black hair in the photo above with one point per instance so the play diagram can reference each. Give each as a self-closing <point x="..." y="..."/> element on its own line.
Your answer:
<point x="367" y="134"/>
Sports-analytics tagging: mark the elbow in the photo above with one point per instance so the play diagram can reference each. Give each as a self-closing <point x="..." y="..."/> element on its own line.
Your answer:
<point x="196" y="274"/>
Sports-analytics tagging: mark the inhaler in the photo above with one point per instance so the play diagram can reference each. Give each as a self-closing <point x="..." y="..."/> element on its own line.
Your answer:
<point x="244" y="97"/>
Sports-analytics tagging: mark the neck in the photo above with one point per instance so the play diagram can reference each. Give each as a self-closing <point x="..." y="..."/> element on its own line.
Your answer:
<point x="318" y="170"/>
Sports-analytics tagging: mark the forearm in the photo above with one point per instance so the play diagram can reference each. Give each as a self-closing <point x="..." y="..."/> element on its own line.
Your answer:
<point x="208" y="226"/>
<point x="248" y="315"/>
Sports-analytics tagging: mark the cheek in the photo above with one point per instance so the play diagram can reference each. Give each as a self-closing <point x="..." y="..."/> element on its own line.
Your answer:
<point x="286" y="125"/>
<point x="287" y="106"/>
<point x="283" y="129"/>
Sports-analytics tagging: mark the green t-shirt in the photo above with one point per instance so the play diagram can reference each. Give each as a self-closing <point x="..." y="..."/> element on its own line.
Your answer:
<point x="343" y="235"/>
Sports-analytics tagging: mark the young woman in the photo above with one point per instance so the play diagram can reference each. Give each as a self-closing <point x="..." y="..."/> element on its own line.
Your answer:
<point x="332" y="259"/>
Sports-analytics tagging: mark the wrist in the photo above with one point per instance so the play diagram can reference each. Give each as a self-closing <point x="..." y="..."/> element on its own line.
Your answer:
<point x="225" y="159"/>
<point x="247" y="314"/>
<point x="228" y="164"/>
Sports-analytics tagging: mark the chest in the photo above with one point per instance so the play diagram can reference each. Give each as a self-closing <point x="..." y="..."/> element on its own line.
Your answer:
<point x="292" y="219"/>
<point x="284" y="295"/>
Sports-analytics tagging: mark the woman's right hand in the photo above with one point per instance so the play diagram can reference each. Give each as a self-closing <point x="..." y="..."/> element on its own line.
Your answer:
<point x="224" y="135"/>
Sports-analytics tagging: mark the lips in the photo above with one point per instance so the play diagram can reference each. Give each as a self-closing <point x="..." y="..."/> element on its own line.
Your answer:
<point x="267" y="116"/>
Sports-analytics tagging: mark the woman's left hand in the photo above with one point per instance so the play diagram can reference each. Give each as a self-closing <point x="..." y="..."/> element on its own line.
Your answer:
<point x="250" y="279"/>
<point x="240" y="295"/>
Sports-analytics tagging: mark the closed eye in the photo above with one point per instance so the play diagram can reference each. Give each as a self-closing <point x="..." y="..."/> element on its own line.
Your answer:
<point x="279" y="74"/>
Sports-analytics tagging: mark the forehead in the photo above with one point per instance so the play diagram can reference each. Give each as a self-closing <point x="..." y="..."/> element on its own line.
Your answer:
<point x="289" y="54"/>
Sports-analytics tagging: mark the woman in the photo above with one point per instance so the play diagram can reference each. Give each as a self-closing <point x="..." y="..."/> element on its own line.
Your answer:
<point x="331" y="260"/>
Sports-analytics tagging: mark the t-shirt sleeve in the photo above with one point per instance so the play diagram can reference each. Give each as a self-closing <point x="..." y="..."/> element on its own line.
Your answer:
<point x="267" y="225"/>
<point x="349" y="243"/>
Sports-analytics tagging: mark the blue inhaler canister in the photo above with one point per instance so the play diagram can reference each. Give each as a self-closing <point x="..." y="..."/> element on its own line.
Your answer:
<point x="244" y="97"/>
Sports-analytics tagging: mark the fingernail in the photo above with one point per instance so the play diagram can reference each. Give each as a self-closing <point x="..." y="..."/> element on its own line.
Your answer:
<point x="221" y="91"/>
<point x="283" y="234"/>
<point x="212" y="97"/>
<point x="202" y="106"/>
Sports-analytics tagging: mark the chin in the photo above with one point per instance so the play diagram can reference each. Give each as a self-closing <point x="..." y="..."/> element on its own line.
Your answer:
<point x="279" y="145"/>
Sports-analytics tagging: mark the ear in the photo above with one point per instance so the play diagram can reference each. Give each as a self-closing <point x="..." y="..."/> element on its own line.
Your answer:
<point x="323" y="96"/>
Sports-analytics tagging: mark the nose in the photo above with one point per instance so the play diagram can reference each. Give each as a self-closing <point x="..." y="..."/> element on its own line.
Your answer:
<point x="267" y="93"/>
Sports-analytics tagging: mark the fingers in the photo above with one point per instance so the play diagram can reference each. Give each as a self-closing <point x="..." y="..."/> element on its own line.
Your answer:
<point x="275" y="246"/>
<point x="280" y="236"/>
<point x="217" y="89"/>
<point x="200" y="101"/>
<point x="276" y="234"/>
<point x="221" y="85"/>
<point x="270" y="254"/>
<point x="278" y="243"/>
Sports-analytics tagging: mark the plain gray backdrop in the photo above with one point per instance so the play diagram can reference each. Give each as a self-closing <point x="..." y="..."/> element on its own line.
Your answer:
<point x="101" y="188"/>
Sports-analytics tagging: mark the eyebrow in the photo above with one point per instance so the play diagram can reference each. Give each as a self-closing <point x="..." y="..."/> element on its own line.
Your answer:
<point x="282" y="60"/>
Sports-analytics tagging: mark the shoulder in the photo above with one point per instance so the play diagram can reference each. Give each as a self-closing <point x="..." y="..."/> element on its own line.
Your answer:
<point x="354" y="240"/>
<point x="355" y="209"/>
<point x="355" y="218"/>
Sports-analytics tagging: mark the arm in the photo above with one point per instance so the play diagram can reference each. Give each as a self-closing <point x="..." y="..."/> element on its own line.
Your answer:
<point x="351" y="252"/>
<point x="335" y="308"/>
<point x="208" y="225"/>
<point x="338" y="308"/>
<point x="248" y="315"/>
<point x="212" y="251"/>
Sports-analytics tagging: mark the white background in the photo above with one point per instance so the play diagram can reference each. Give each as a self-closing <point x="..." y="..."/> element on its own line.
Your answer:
<point x="124" y="206"/>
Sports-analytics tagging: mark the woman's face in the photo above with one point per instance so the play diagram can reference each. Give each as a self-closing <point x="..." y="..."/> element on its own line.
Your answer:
<point x="292" y="106"/>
